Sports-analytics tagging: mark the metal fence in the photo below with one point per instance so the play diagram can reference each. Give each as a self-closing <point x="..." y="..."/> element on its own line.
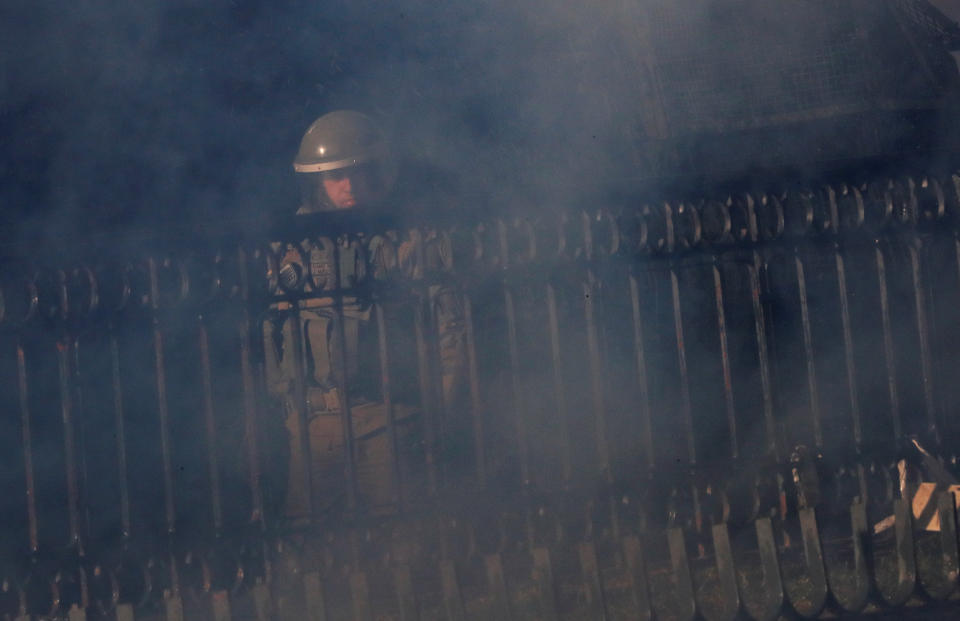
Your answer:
<point x="709" y="406"/>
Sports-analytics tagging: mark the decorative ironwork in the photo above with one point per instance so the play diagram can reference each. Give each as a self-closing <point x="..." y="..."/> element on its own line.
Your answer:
<point x="723" y="405"/>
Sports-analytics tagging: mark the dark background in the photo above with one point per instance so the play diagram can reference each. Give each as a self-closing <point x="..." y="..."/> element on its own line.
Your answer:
<point x="186" y="113"/>
<point x="182" y="112"/>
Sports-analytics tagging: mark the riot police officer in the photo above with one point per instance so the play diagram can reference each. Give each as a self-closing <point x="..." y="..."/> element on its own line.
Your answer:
<point x="344" y="162"/>
<point x="315" y="347"/>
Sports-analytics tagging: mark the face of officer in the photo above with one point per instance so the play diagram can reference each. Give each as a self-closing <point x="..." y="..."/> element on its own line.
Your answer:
<point x="351" y="187"/>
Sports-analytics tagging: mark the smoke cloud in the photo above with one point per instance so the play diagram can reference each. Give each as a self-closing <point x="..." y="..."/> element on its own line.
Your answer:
<point x="118" y="116"/>
<point x="180" y="113"/>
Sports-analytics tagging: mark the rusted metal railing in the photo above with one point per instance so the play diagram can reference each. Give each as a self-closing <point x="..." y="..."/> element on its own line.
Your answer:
<point x="708" y="406"/>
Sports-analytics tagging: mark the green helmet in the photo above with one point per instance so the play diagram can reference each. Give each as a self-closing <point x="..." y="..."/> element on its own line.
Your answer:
<point x="340" y="139"/>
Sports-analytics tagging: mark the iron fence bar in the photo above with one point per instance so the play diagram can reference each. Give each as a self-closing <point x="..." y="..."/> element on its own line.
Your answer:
<point x="120" y="434"/>
<point x="815" y="570"/>
<point x="923" y="336"/>
<point x="773" y="592"/>
<point x="301" y="421"/>
<point x="435" y="364"/>
<point x="593" y="581"/>
<point x="173" y="607"/>
<point x="27" y="439"/>
<point x="596" y="378"/>
<point x="643" y="388"/>
<point x="904" y="550"/>
<point x="346" y="411"/>
<point x="426" y="397"/>
<point x="546" y="586"/>
<point x="315" y="599"/>
<point x="860" y="577"/>
<point x="763" y="355"/>
<point x="210" y="426"/>
<point x="729" y="606"/>
<point x="172" y="603"/>
<point x="638" y="578"/>
<point x="859" y="530"/>
<point x="518" y="410"/>
<point x="161" y="393"/>
<point x="430" y="395"/>
<point x="124" y="612"/>
<point x="220" y="606"/>
<point x="951" y="398"/>
<point x="888" y="350"/>
<point x="497" y="586"/>
<point x="559" y="389"/>
<point x="850" y="363"/>
<point x="260" y="589"/>
<point x="808" y="352"/>
<point x="387" y="398"/>
<point x="476" y="411"/>
<point x="452" y="598"/>
<point x="949" y="557"/>
<point x="250" y="428"/>
<point x="407" y="604"/>
<point x="360" y="595"/>
<point x="686" y="413"/>
<point x="680" y="574"/>
<point x="71" y="577"/>
<point x="81" y="439"/>
<point x="725" y="361"/>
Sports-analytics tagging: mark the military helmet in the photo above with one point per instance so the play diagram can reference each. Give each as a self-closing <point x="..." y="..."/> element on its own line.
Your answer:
<point x="340" y="139"/>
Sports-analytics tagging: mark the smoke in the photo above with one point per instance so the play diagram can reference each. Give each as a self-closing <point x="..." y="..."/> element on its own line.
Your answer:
<point x="162" y="118"/>
<point x="119" y="116"/>
<point x="950" y="8"/>
<point x="182" y="114"/>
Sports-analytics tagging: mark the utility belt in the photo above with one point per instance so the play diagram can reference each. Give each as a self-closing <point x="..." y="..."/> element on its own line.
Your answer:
<point x="322" y="401"/>
<point x="324" y="302"/>
<point x="369" y="418"/>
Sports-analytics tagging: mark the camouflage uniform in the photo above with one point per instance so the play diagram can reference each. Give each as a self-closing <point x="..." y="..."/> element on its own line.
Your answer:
<point x="314" y="347"/>
<point x="324" y="333"/>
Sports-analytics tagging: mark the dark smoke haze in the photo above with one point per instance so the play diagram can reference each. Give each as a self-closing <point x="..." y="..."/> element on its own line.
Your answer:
<point x="132" y="115"/>
<point x="114" y="114"/>
<point x="165" y="117"/>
